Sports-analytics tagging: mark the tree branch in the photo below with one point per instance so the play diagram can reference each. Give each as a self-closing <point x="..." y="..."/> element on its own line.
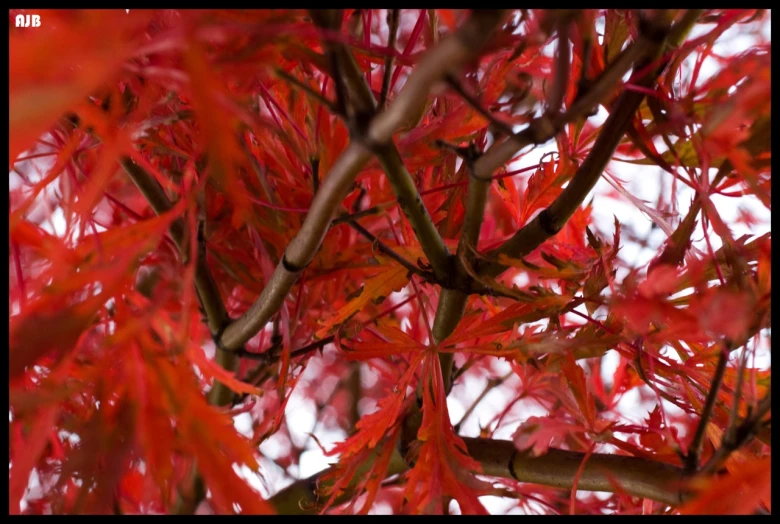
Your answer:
<point x="393" y="16"/>
<point x="561" y="81"/>
<point x="553" y="218"/>
<point x="213" y="308"/>
<point x="733" y="441"/>
<point x="602" y="472"/>
<point x="401" y="182"/>
<point x="694" y="450"/>
<point x="557" y="468"/>
<point x="208" y="292"/>
<point x="452" y="302"/>
<point x="451" y="53"/>
<point x="410" y="202"/>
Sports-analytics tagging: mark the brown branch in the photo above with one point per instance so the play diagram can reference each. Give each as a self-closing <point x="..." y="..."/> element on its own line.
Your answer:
<point x="393" y="16"/>
<point x="561" y="81"/>
<point x="557" y="468"/>
<point x="732" y="441"/>
<point x="477" y="106"/>
<point x="213" y="307"/>
<point x="694" y="450"/>
<point x="451" y="53"/>
<point x="348" y="217"/>
<point x="452" y="302"/>
<point x="387" y="250"/>
<point x="410" y="202"/>
<point x="602" y="472"/>
<point x="553" y="218"/>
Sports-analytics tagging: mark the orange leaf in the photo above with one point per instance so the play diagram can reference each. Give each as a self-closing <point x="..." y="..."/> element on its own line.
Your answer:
<point x="209" y="367"/>
<point x="736" y="494"/>
<point x="381" y="285"/>
<point x="443" y="467"/>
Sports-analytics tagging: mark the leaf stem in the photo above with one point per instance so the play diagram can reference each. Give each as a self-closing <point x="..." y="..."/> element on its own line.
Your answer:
<point x="313" y="93"/>
<point x="477" y="106"/>
<point x="387" y="250"/>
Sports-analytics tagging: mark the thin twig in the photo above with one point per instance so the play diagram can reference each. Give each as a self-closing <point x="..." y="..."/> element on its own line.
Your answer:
<point x="742" y="435"/>
<point x="734" y="412"/>
<point x="393" y="16"/>
<point x="694" y="450"/>
<point x="387" y="250"/>
<point x="477" y="106"/>
<point x="553" y="218"/>
<point x="347" y="217"/>
<point x="258" y="169"/>
<point x="313" y="93"/>
<point x="491" y="385"/>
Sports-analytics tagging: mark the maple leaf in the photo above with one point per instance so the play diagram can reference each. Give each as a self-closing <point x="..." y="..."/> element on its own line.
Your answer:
<point x="537" y="434"/>
<point x="543" y="187"/>
<point x="442" y="466"/>
<point x="381" y="426"/>
<point x="381" y="285"/>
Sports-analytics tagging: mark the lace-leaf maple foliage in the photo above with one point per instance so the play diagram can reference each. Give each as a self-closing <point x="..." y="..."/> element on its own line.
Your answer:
<point x="240" y="237"/>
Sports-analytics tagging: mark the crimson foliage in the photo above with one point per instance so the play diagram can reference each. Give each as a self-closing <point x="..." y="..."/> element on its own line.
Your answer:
<point x="213" y="211"/>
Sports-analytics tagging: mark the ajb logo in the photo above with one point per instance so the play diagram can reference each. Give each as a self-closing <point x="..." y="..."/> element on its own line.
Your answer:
<point x="28" y="20"/>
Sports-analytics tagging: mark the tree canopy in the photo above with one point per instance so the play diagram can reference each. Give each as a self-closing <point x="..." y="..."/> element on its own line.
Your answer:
<point x="393" y="261"/>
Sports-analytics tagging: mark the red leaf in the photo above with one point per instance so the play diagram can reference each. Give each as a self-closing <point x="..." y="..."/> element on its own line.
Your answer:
<point x="736" y="494"/>
<point x="537" y="434"/>
<point x="579" y="388"/>
<point x="443" y="467"/>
